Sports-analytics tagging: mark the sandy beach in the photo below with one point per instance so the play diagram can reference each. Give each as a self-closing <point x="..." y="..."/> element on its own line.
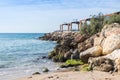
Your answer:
<point x="70" y="75"/>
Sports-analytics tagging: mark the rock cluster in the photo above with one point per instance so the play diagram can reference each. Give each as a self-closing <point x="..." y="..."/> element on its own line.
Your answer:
<point x="101" y="64"/>
<point x="103" y="46"/>
<point x="109" y="41"/>
<point x="70" y="44"/>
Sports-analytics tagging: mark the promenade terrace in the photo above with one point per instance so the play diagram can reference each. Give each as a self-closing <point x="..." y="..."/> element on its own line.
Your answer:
<point x="79" y="23"/>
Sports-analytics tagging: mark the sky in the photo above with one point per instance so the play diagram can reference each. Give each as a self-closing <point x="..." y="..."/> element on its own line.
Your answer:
<point x="38" y="16"/>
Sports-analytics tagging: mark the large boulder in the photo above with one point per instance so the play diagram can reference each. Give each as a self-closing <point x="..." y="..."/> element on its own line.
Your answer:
<point x="91" y="52"/>
<point x="109" y="38"/>
<point x="80" y="38"/>
<point x="81" y="47"/>
<point x="46" y="36"/>
<point x="88" y="43"/>
<point x="117" y="64"/>
<point x="98" y="41"/>
<point x="111" y="43"/>
<point x="101" y="64"/>
<point x="67" y="55"/>
<point x="106" y="67"/>
<point x="75" y="54"/>
<point x="67" y="41"/>
<point x="56" y="36"/>
<point x="109" y="30"/>
<point x="65" y="34"/>
<point x="114" y="55"/>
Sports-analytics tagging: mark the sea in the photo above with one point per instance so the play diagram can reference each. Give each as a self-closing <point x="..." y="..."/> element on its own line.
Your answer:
<point x="20" y="55"/>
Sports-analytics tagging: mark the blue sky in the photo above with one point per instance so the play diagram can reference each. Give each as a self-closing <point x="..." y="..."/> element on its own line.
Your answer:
<point x="46" y="15"/>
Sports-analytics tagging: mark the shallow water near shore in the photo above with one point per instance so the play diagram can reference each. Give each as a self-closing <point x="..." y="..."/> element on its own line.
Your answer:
<point x="20" y="55"/>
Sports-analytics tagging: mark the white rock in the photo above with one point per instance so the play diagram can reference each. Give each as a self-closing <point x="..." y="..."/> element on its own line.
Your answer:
<point x="111" y="43"/>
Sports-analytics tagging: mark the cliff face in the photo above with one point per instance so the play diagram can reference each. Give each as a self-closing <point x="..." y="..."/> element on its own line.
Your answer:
<point x="70" y="45"/>
<point x="105" y="43"/>
<point x="76" y="46"/>
<point x="73" y="45"/>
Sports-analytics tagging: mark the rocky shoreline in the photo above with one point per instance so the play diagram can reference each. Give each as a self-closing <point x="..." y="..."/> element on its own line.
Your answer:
<point x="101" y="51"/>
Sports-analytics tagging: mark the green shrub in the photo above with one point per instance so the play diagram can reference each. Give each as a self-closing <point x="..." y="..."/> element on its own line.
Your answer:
<point x="95" y="26"/>
<point x="97" y="22"/>
<point x="85" y="29"/>
<point x="114" y="19"/>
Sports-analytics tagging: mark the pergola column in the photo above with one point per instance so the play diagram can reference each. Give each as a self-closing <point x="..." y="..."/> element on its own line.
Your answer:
<point x="78" y="27"/>
<point x="71" y="26"/>
<point x="68" y="27"/>
<point x="62" y="28"/>
<point x="85" y="21"/>
<point x="80" y="24"/>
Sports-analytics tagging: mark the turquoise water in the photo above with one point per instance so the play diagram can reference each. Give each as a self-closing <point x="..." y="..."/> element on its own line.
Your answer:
<point x="20" y="55"/>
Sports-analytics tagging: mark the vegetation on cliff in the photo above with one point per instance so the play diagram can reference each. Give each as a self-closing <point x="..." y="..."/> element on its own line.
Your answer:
<point x="97" y="22"/>
<point x="113" y="19"/>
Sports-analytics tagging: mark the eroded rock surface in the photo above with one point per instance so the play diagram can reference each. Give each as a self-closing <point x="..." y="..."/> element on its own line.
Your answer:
<point x="73" y="45"/>
<point x="91" y="52"/>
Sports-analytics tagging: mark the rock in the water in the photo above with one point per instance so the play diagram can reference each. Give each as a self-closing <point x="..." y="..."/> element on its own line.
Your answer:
<point x="46" y="36"/>
<point x="45" y="70"/>
<point x="91" y="52"/>
<point x="36" y="73"/>
<point x="111" y="43"/>
<point x="44" y="57"/>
